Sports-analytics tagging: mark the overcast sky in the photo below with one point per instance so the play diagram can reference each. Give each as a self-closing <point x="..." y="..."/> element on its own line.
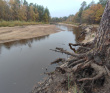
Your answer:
<point x="60" y="8"/>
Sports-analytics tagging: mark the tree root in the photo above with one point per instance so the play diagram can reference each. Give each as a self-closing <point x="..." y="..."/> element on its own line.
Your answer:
<point x="86" y="66"/>
<point x="76" y="62"/>
<point x="81" y="44"/>
<point x="100" y="70"/>
<point x="58" y="60"/>
<point x="80" y="66"/>
<point x="72" y="48"/>
<point x="72" y="54"/>
<point x="86" y="48"/>
<point x="107" y="70"/>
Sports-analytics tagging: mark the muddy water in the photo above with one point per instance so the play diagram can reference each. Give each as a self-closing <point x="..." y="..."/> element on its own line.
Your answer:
<point x="23" y="62"/>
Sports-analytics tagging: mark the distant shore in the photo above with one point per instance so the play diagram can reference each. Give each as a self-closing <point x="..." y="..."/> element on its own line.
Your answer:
<point x="8" y="34"/>
<point x="68" y="24"/>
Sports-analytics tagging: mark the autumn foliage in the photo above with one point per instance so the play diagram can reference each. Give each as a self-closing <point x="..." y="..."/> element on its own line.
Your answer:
<point x="20" y="10"/>
<point x="91" y="14"/>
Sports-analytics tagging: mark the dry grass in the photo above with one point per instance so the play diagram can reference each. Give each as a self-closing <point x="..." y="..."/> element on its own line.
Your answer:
<point x="17" y="23"/>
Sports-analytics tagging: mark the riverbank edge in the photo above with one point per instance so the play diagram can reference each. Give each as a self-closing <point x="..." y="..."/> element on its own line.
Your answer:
<point x="89" y="34"/>
<point x="45" y="30"/>
<point x="68" y="24"/>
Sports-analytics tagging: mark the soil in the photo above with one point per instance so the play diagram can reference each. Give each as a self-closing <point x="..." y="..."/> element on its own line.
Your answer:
<point x="8" y="34"/>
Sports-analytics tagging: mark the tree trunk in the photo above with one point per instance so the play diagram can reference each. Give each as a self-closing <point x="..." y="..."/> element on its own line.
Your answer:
<point x="102" y="40"/>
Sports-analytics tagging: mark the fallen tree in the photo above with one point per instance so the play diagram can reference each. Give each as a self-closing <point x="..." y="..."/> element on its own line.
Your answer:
<point x="87" y="70"/>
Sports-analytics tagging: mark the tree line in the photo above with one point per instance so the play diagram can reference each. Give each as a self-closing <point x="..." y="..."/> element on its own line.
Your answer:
<point x="91" y="13"/>
<point x="22" y="10"/>
<point x="58" y="19"/>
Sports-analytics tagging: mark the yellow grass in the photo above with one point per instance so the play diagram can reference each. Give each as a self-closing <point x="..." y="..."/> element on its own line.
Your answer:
<point x="17" y="23"/>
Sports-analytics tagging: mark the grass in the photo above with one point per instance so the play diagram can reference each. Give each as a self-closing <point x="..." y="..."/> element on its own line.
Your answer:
<point x="73" y="89"/>
<point x="17" y="23"/>
<point x="68" y="82"/>
<point x="93" y="35"/>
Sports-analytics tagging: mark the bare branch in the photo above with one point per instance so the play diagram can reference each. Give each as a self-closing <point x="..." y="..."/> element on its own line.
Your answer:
<point x="76" y="62"/>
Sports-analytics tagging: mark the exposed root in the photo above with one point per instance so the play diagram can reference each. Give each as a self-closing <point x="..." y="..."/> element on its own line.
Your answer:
<point x="81" y="44"/>
<point x="58" y="60"/>
<point x="63" y="51"/>
<point x="107" y="70"/>
<point x="100" y="70"/>
<point x="76" y="62"/>
<point x="80" y="69"/>
<point x="72" y="54"/>
<point x="86" y="64"/>
<point x="86" y="48"/>
<point x="72" y="48"/>
<point x="80" y="66"/>
<point x="72" y="60"/>
<point x="83" y="47"/>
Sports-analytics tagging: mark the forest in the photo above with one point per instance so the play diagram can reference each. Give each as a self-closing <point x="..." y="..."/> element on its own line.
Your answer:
<point x="90" y="13"/>
<point x="23" y="11"/>
<point x="13" y="10"/>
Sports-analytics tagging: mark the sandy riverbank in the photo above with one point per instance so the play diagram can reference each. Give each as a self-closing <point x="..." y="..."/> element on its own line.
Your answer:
<point x="8" y="34"/>
<point x="90" y="33"/>
<point x="67" y="24"/>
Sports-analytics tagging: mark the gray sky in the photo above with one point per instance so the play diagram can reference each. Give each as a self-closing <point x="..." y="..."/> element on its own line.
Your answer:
<point x="60" y="8"/>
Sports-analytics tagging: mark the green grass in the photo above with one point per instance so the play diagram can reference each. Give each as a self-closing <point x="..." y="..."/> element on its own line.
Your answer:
<point x="93" y="35"/>
<point x="18" y="23"/>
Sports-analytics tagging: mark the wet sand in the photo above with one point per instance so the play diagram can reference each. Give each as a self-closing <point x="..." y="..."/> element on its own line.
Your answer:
<point x="8" y="34"/>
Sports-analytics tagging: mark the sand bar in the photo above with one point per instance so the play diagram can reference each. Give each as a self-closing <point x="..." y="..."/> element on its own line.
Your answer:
<point x="8" y="34"/>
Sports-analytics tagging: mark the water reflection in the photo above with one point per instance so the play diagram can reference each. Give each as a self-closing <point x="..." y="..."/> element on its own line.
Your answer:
<point x="28" y="42"/>
<point x="76" y="31"/>
<point x="20" y="70"/>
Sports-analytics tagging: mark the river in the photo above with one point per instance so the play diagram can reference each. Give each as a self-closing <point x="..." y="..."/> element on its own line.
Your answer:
<point x="22" y="63"/>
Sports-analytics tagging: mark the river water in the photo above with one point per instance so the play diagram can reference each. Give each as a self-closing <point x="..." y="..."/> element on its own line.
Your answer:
<point x="22" y="63"/>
